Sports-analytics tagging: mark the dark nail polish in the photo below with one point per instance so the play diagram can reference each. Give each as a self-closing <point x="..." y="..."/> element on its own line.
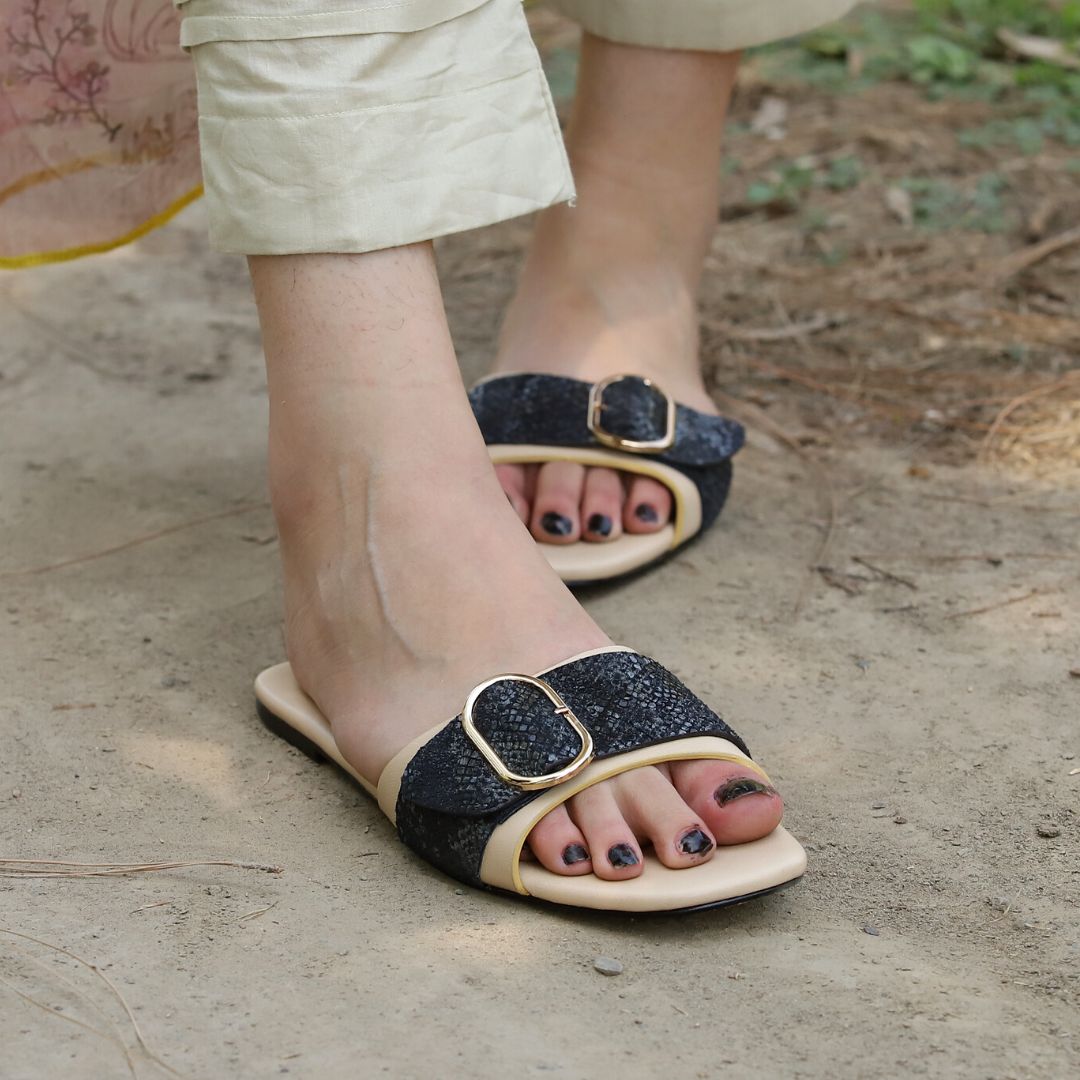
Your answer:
<point x="556" y="524"/>
<point x="600" y="525"/>
<point x="647" y="513"/>
<point x="622" y="855"/>
<point x="695" y="842"/>
<point x="574" y="853"/>
<point x="743" y="785"/>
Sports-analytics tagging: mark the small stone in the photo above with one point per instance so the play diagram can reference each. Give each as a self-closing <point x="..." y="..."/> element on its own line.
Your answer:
<point x="877" y="806"/>
<point x="873" y="931"/>
<point x="17" y="793"/>
<point x="607" y="966"/>
<point x="459" y="892"/>
<point x="899" y="820"/>
<point x="1048" y="830"/>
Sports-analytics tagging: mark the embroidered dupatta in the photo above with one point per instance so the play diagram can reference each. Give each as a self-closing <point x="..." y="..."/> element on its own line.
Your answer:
<point x="98" y="126"/>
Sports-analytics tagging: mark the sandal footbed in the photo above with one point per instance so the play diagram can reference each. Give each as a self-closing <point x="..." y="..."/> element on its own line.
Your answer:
<point x="734" y="873"/>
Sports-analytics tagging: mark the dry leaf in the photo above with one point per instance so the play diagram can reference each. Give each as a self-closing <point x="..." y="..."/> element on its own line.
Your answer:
<point x="1030" y="47"/>
<point x="898" y="200"/>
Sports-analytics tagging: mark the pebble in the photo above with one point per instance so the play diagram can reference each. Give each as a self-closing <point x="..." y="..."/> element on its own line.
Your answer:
<point x="1048" y="830"/>
<point x="877" y="806"/>
<point x="607" y="966"/>
<point x="17" y="793"/>
<point x="900" y="820"/>
<point x="873" y="931"/>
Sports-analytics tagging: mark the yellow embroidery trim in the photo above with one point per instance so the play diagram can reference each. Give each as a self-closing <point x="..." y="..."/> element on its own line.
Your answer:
<point x="21" y="262"/>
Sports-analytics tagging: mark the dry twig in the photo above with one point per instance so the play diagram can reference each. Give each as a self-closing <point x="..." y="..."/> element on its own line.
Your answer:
<point x="39" y="868"/>
<point x="1001" y="604"/>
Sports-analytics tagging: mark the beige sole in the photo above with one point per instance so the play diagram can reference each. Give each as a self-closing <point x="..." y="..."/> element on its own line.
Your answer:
<point x="587" y="562"/>
<point x="734" y="873"/>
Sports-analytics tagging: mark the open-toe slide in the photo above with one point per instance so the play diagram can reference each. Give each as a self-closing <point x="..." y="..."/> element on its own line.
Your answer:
<point x="625" y="422"/>
<point x="465" y="795"/>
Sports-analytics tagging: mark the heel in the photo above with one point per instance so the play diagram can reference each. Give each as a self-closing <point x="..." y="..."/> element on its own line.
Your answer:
<point x="289" y="734"/>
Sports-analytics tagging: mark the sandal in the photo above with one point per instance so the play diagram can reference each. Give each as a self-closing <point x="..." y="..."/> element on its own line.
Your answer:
<point x="624" y="422"/>
<point x="465" y="795"/>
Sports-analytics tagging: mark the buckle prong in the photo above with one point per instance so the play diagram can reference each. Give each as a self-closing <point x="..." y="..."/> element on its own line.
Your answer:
<point x="617" y="442"/>
<point x="502" y="770"/>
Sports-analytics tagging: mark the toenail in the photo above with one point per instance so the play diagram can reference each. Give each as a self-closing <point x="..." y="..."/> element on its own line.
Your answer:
<point x="695" y="842"/>
<point x="600" y="524"/>
<point x="574" y="853"/>
<point x="743" y="785"/>
<point x="557" y="524"/>
<point x="647" y="513"/>
<point x="622" y="855"/>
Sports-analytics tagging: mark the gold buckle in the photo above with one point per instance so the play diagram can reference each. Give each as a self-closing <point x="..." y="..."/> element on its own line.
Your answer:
<point x="617" y="442"/>
<point x="528" y="783"/>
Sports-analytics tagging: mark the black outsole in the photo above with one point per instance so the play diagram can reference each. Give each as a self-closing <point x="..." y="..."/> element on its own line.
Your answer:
<point x="285" y="731"/>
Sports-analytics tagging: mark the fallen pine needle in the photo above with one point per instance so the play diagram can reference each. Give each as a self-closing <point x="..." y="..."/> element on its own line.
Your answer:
<point x="257" y="912"/>
<point x="74" y="1020"/>
<point x="1025" y="257"/>
<point x="1001" y="604"/>
<point x="147" y="907"/>
<point x="63" y="868"/>
<point x="135" y="542"/>
<point x="102" y="977"/>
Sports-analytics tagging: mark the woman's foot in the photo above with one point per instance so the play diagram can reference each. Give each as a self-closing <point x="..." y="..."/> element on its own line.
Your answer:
<point x="589" y="330"/>
<point x="610" y="285"/>
<point x="408" y="579"/>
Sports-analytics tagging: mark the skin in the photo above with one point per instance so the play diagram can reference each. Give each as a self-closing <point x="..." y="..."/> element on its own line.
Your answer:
<point x="408" y="575"/>
<point x="610" y="285"/>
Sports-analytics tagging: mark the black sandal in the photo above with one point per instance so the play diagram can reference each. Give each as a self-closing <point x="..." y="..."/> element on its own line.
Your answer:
<point x="465" y="795"/>
<point x="625" y="422"/>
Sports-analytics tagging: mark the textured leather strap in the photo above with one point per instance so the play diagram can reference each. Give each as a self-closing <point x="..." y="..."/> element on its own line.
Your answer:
<point x="552" y="410"/>
<point x="451" y="799"/>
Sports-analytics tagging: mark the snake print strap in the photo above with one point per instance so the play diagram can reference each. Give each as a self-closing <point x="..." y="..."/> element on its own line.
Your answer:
<point x="452" y="798"/>
<point x="551" y="410"/>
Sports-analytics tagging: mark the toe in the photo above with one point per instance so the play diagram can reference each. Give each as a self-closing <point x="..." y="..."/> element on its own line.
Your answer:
<point x="514" y="483"/>
<point x="559" y="844"/>
<point x="557" y="502"/>
<point x="602" y="505"/>
<point x="616" y="853"/>
<point x="654" y="809"/>
<point x="736" y="803"/>
<point x="647" y="507"/>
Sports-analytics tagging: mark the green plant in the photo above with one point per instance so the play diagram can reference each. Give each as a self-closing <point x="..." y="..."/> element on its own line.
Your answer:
<point x="939" y="205"/>
<point x="783" y="186"/>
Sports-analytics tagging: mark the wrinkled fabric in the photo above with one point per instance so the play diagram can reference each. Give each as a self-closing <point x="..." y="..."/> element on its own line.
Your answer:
<point x="711" y="25"/>
<point x="326" y="125"/>
<point x="352" y="142"/>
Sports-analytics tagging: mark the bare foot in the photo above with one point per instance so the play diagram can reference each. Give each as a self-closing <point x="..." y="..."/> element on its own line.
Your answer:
<point x="610" y="285"/>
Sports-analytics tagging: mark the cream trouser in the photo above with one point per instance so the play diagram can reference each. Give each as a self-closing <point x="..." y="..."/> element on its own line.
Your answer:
<point x="353" y="125"/>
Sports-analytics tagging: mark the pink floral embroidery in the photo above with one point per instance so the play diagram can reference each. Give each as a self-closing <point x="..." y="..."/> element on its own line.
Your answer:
<point x="98" y="122"/>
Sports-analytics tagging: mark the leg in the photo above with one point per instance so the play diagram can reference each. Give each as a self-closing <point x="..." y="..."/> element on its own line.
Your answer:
<point x="611" y="284"/>
<point x="408" y="578"/>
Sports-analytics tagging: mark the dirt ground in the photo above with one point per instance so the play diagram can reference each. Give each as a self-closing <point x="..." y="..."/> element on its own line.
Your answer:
<point x="888" y="610"/>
